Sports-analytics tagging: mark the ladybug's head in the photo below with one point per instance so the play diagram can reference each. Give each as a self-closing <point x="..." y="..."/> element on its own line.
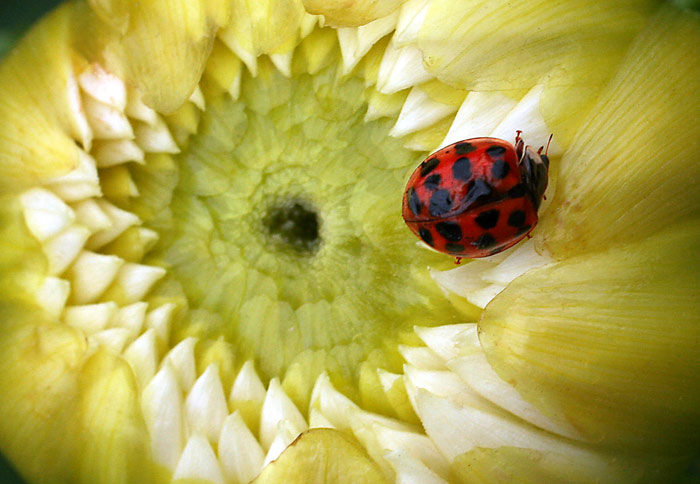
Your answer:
<point x="534" y="169"/>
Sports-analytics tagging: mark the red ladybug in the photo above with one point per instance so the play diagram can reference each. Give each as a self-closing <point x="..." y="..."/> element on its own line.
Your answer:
<point x="476" y="197"/>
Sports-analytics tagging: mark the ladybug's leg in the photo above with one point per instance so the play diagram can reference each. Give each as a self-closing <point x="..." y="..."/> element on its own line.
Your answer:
<point x="458" y="260"/>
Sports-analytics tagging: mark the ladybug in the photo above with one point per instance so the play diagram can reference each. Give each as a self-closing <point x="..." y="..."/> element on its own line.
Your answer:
<point x="476" y="197"/>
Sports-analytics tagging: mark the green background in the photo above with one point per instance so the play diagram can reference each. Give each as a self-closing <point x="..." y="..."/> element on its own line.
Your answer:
<point x="15" y="17"/>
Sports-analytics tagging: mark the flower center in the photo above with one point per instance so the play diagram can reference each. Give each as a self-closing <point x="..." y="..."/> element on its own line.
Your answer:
<point x="284" y="231"/>
<point x="295" y="225"/>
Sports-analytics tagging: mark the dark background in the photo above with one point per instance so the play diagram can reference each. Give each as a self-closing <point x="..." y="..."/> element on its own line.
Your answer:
<point x="15" y="17"/>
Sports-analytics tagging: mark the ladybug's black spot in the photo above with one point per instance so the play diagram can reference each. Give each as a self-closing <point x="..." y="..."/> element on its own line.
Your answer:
<point x="426" y="236"/>
<point x="462" y="169"/>
<point x="450" y="230"/>
<point x="428" y="166"/>
<point x="487" y="219"/>
<point x="495" y="151"/>
<point x="454" y="248"/>
<point x="516" y="218"/>
<point x="517" y="191"/>
<point x="484" y="242"/>
<point x="478" y="189"/>
<point x="500" y="169"/>
<point x="432" y="183"/>
<point x="440" y="203"/>
<point x="414" y="202"/>
<point x="464" y="148"/>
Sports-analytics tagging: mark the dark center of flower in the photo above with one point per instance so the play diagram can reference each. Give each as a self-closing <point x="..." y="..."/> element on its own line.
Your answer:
<point x="294" y="224"/>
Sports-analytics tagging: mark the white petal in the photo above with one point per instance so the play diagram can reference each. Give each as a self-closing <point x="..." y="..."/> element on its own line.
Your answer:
<point x="333" y="405"/>
<point x="479" y="115"/>
<point x="285" y="436"/>
<point x="52" y="295"/>
<point x="198" y="461"/>
<point x="482" y="296"/>
<point x="401" y="67"/>
<point x="73" y="192"/>
<point x="91" y="274"/>
<point x="421" y="357"/>
<point x="45" y="214"/>
<point x="142" y="355"/>
<point x="342" y="412"/>
<point x="247" y="386"/>
<point x="181" y="357"/>
<point x="81" y="130"/>
<point x="228" y="37"/>
<point x="475" y="370"/>
<point x="411" y="471"/>
<point x="135" y="280"/>
<point x="387" y="379"/>
<point x="161" y="402"/>
<point x="115" y="152"/>
<point x="103" y="86"/>
<point x="80" y="183"/>
<point x="526" y="117"/>
<point x="107" y="122"/>
<point x="205" y="406"/>
<point x="308" y="22"/>
<point x="89" y="214"/>
<point x="120" y="220"/>
<point x="136" y="109"/>
<point x="197" y="98"/>
<point x="466" y="281"/>
<point x="411" y="18"/>
<point x="283" y="62"/>
<point x="442" y="383"/>
<point x="114" y="339"/>
<point x="62" y="249"/>
<point x="521" y="259"/>
<point x="457" y="428"/>
<point x="131" y="318"/>
<point x="418" y="446"/>
<point x="355" y="42"/>
<point x="445" y="341"/>
<point x="240" y="454"/>
<point x="318" y="420"/>
<point x="90" y="318"/>
<point x="160" y="319"/>
<point x="419" y="112"/>
<point x="155" y="138"/>
<point x="278" y="407"/>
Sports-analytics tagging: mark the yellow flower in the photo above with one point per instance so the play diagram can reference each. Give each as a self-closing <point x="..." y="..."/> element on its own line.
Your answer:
<point x="205" y="276"/>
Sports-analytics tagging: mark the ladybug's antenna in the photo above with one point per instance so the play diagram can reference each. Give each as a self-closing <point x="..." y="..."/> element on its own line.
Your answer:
<point x="539" y="151"/>
<point x="548" y="141"/>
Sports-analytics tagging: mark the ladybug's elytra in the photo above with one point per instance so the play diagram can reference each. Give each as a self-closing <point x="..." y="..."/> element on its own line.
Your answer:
<point x="477" y="197"/>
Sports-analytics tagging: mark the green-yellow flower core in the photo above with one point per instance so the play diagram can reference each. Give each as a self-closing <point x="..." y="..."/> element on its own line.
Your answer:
<point x="284" y="229"/>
